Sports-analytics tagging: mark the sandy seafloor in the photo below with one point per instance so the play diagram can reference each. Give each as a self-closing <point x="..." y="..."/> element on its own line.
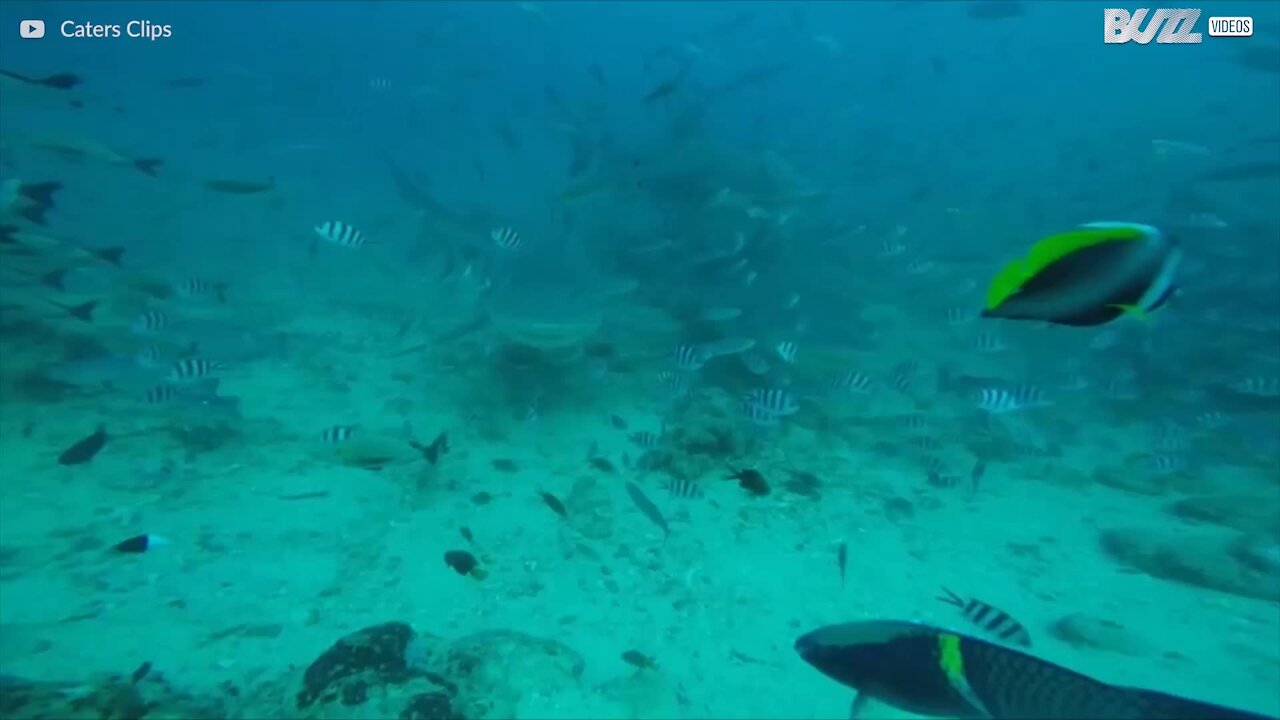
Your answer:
<point x="737" y="581"/>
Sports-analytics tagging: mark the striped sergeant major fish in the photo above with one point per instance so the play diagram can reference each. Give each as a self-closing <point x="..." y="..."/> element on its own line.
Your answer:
<point x="998" y="401"/>
<point x="506" y="238"/>
<point x="773" y="402"/>
<point x="690" y="358"/>
<point x="336" y="232"/>
<point x="188" y="369"/>
<point x="929" y="671"/>
<point x="337" y="434"/>
<point x="992" y="619"/>
<point x="851" y="381"/>
<point x="787" y="351"/>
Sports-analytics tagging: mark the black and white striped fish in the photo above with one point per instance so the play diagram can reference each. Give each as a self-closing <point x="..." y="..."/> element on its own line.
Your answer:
<point x="993" y="620"/>
<point x="337" y="434"/>
<point x="160" y="394"/>
<point x="851" y="381"/>
<point x="787" y="351"/>
<point x="149" y="322"/>
<point x="192" y="368"/>
<point x="900" y="381"/>
<point x="336" y="232"/>
<point x="201" y="288"/>
<point x="690" y="358"/>
<point x="760" y="417"/>
<point x="891" y="247"/>
<point x="683" y="488"/>
<point x="997" y="401"/>
<point x="772" y="401"/>
<point x="920" y="267"/>
<point x="645" y="439"/>
<point x="505" y="238"/>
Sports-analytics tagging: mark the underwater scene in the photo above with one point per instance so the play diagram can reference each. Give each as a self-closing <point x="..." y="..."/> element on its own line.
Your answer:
<point x="478" y="360"/>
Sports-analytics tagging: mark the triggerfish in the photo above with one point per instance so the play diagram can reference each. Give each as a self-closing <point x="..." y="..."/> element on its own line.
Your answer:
<point x="1088" y="276"/>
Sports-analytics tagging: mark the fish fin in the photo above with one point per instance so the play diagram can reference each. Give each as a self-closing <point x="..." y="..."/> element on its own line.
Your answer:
<point x="1133" y="311"/>
<point x="40" y="193"/>
<point x="859" y="705"/>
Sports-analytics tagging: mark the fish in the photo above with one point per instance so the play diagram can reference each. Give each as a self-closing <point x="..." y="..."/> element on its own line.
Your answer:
<point x="618" y="422"/>
<point x="1267" y="387"/>
<point x="200" y="288"/>
<point x="647" y="508"/>
<point x="639" y="660"/>
<point x="82" y="311"/>
<point x="506" y="238"/>
<point x="29" y="201"/>
<point x="663" y="89"/>
<point x="645" y="439"/>
<point x="336" y="232"/>
<point x="84" y="449"/>
<point x="139" y="544"/>
<point x="851" y="381"/>
<point x="925" y="670"/>
<point x="149" y="322"/>
<point x="240" y="187"/>
<point x="433" y="451"/>
<point x="683" y="488"/>
<point x="1088" y="276"/>
<point x="775" y="402"/>
<point x="82" y="148"/>
<point x="59" y="81"/>
<point x="842" y="560"/>
<point x="337" y="434"/>
<point x="991" y="619"/>
<point x="554" y="503"/>
<point x="464" y="563"/>
<point x="751" y="481"/>
<point x="787" y="351"/>
<point x="193" y="368"/>
<point x="998" y="401"/>
<point x="690" y="358"/>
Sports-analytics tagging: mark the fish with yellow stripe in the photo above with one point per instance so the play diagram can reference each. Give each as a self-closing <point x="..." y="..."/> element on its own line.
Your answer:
<point x="933" y="672"/>
<point x="1089" y="276"/>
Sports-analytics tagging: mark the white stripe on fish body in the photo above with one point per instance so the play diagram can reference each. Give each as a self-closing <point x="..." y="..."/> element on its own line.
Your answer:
<point x="1259" y="386"/>
<point x="852" y="381"/>
<point x="1211" y="420"/>
<point x="505" y="238"/>
<point x="150" y="356"/>
<point x="645" y="439"/>
<point x="690" y="358"/>
<point x="379" y="84"/>
<point x="1164" y="280"/>
<point x="755" y="362"/>
<point x="683" y="488"/>
<point x="188" y="369"/>
<point x="787" y="351"/>
<point x="997" y="401"/>
<point x="773" y="401"/>
<point x="989" y="344"/>
<point x="900" y="381"/>
<point x="337" y="434"/>
<point x="339" y="233"/>
<point x="160" y="394"/>
<point x="149" y="322"/>
<point x="758" y="415"/>
<point x="199" y="287"/>
<point x="960" y="315"/>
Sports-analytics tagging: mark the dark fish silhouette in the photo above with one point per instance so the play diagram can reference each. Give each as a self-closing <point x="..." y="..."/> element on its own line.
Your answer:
<point x="553" y="502"/>
<point x="240" y="187"/>
<point x="647" y="507"/>
<point x="83" y="450"/>
<point x="61" y="81"/>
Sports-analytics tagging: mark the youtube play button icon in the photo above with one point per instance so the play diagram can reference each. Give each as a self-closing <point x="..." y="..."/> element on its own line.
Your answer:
<point x="31" y="29"/>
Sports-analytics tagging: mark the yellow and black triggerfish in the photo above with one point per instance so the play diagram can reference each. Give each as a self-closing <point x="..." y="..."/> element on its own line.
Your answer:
<point x="1088" y="276"/>
<point x="938" y="673"/>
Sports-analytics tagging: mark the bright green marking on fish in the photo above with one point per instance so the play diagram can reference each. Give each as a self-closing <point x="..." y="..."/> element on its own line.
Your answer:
<point x="1048" y="251"/>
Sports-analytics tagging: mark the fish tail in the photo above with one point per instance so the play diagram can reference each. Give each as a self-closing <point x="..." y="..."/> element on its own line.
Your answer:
<point x="951" y="598"/>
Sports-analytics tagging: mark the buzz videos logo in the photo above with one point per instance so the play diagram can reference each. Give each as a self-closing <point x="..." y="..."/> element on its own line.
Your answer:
<point x="1168" y="25"/>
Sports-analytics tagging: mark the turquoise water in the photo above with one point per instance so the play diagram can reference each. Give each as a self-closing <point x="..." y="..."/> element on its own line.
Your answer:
<point x="582" y="253"/>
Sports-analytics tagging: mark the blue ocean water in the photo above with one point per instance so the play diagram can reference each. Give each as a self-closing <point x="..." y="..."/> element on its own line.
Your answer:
<point x="582" y="359"/>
